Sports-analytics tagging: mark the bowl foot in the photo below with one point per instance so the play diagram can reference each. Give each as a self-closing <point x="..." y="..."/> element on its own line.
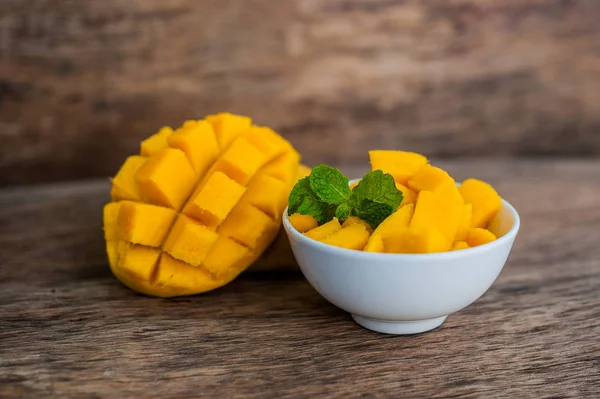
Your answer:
<point x="399" y="327"/>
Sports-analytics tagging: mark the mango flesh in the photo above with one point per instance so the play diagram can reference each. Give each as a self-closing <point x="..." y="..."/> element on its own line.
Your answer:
<point x="400" y="164"/>
<point x="485" y="200"/>
<point x="303" y="223"/>
<point x="200" y="206"/>
<point x="479" y="236"/>
<point x="325" y="230"/>
<point x="353" y="236"/>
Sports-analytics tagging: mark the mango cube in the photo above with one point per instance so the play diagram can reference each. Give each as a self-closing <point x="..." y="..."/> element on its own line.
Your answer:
<point x="215" y="200"/>
<point x="246" y="224"/>
<point x="144" y="224"/>
<point x="398" y="220"/>
<point x="124" y="186"/>
<point x="479" y="236"/>
<point x="224" y="255"/>
<point x="166" y="179"/>
<point x="228" y="127"/>
<point x="458" y="245"/>
<point x="240" y="161"/>
<point x="486" y="201"/>
<point x="138" y="261"/>
<point x="267" y="194"/>
<point x="400" y="164"/>
<point x="266" y="140"/>
<point x="189" y="241"/>
<point x="436" y="180"/>
<point x="198" y="141"/>
<point x="375" y="243"/>
<point x="322" y="232"/>
<point x="409" y="196"/>
<point x="156" y="142"/>
<point x="416" y="241"/>
<point x="174" y="277"/>
<point x="466" y="212"/>
<point x="354" y="236"/>
<point x="303" y="223"/>
<point x="284" y="167"/>
<point x="356" y="220"/>
<point x="435" y="211"/>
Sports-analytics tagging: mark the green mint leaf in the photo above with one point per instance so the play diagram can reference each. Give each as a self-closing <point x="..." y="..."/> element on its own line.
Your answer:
<point x="378" y="187"/>
<point x="329" y="184"/>
<point x="343" y="211"/>
<point x="373" y="212"/>
<point x="303" y="200"/>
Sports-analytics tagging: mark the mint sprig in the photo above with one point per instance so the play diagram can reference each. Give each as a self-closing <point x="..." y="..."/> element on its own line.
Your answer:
<point x="325" y="194"/>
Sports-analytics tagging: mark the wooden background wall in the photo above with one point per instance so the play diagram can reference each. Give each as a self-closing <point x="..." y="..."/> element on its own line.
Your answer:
<point x="82" y="82"/>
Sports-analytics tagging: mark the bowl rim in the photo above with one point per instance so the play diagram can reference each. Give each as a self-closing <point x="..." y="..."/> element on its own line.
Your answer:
<point x="508" y="236"/>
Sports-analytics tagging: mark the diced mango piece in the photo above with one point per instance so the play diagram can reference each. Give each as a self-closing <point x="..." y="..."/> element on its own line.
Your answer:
<point x="110" y="215"/>
<point x="267" y="194"/>
<point x="215" y="200"/>
<point x="228" y="127"/>
<point x="486" y="201"/>
<point x="156" y="142"/>
<point x="375" y="243"/>
<point x="303" y="171"/>
<point x="352" y="185"/>
<point x="416" y="241"/>
<point x="138" y="261"/>
<point x="398" y="220"/>
<point x="356" y="220"/>
<point x="458" y="245"/>
<point x="198" y="141"/>
<point x="322" y="232"/>
<point x="436" y="180"/>
<point x="409" y="196"/>
<point x="400" y="164"/>
<point x="225" y="254"/>
<point x="144" y="224"/>
<point x="124" y="186"/>
<point x="464" y="225"/>
<point x="166" y="179"/>
<point x="241" y="161"/>
<point x="432" y="210"/>
<point x="189" y="241"/>
<point x="479" y="236"/>
<point x="354" y="236"/>
<point x="266" y="140"/>
<point x="303" y="223"/>
<point x="284" y="167"/>
<point x="246" y="224"/>
<point x="174" y="278"/>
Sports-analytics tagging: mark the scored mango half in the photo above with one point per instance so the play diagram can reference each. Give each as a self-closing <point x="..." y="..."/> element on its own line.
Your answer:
<point x="199" y="204"/>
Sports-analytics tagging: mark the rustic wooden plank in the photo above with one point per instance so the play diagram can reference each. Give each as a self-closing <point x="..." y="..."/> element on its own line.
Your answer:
<point x="81" y="84"/>
<point x="69" y="329"/>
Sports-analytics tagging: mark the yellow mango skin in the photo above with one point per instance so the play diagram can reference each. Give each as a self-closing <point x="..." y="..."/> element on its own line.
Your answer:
<point x="322" y="232"/>
<point x="156" y="142"/>
<point x="303" y="223"/>
<point x="485" y="200"/>
<point x="356" y="220"/>
<point x="479" y="236"/>
<point x="416" y="241"/>
<point x="400" y="164"/>
<point x="124" y="186"/>
<point x="432" y="210"/>
<point x="354" y="236"/>
<point x="458" y="245"/>
<point x="155" y="248"/>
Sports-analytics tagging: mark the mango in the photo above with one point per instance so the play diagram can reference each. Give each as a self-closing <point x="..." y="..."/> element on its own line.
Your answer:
<point x="303" y="223"/>
<point x="325" y="230"/>
<point x="409" y="196"/>
<point x="375" y="243"/>
<point x="485" y="200"/>
<point x="479" y="236"/>
<point x="458" y="245"/>
<point x="396" y="221"/>
<point x="436" y="211"/>
<point x="416" y="241"/>
<point x="200" y="206"/>
<point x="400" y="164"/>
<point x="356" y="220"/>
<point x="466" y="213"/>
<point x="436" y="180"/>
<point x="353" y="236"/>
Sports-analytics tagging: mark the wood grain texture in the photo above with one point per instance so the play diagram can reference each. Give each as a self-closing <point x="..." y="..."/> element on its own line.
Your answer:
<point x="69" y="329"/>
<point x="81" y="83"/>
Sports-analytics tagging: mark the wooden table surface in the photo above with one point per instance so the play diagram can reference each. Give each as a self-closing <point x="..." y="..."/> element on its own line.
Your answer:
<point x="69" y="329"/>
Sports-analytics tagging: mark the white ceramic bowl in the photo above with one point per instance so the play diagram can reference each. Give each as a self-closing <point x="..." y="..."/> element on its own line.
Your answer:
<point x="404" y="293"/>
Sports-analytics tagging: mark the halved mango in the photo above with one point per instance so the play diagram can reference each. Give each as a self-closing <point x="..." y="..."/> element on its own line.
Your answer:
<point x="198" y="141"/>
<point x="228" y="127"/>
<point x="190" y="241"/>
<point x="241" y="161"/>
<point x="156" y="142"/>
<point x="144" y="224"/>
<point x="124" y="186"/>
